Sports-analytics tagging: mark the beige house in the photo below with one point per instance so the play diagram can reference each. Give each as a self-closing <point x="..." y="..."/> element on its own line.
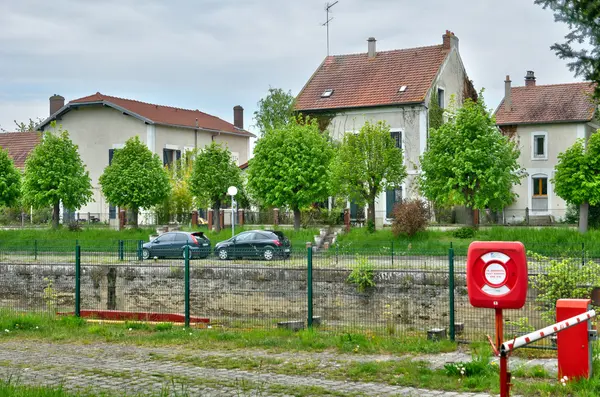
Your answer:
<point x="545" y="120"/>
<point x="99" y="124"/>
<point x="393" y="86"/>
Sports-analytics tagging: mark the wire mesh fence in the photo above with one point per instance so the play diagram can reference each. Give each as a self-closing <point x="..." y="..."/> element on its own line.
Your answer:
<point x="380" y="290"/>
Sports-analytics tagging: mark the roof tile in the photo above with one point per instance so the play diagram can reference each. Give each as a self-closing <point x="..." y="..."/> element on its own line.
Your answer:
<point x="19" y="145"/>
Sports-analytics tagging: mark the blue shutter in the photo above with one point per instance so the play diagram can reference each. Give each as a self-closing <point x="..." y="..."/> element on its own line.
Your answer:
<point x="390" y="201"/>
<point x="178" y="154"/>
<point x="353" y="210"/>
<point x="111" y="153"/>
<point x="165" y="157"/>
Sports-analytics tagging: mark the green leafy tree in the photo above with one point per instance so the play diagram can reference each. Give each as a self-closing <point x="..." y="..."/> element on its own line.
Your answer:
<point x="367" y="164"/>
<point x="135" y="179"/>
<point x="290" y="167"/>
<point x="275" y="110"/>
<point x="577" y="177"/>
<point x="469" y="162"/>
<point x="28" y="126"/>
<point x="10" y="181"/>
<point x="180" y="201"/>
<point x="54" y="173"/>
<point x="436" y="113"/>
<point x="214" y="171"/>
<point x="582" y="17"/>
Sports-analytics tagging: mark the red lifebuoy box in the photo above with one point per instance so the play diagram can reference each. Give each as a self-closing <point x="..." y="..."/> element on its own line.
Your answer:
<point x="497" y="274"/>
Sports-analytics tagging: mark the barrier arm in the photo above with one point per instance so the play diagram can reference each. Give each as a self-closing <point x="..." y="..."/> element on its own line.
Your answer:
<point x="524" y="340"/>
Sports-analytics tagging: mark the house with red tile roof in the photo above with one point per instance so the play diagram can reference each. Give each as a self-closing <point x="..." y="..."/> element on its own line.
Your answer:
<point x="393" y="86"/>
<point x="545" y="120"/>
<point x="99" y="124"/>
<point x="19" y="145"/>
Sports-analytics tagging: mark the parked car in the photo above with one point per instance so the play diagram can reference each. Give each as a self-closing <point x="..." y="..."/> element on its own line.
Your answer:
<point x="266" y="244"/>
<point x="172" y="245"/>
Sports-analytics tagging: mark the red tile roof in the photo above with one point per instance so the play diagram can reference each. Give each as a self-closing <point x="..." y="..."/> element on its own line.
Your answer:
<point x="166" y="115"/>
<point x="358" y="81"/>
<point x="19" y="144"/>
<point x="548" y="104"/>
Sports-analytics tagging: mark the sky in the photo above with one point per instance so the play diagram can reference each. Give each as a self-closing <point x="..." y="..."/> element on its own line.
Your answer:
<point x="214" y="54"/>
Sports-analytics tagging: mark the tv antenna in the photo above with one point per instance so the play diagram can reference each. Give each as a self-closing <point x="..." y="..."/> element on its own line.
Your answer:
<point x="327" y="20"/>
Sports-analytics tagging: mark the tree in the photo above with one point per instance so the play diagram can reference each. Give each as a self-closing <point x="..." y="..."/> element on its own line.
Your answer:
<point x="10" y="181"/>
<point x="368" y="163"/>
<point x="469" y="162"/>
<point x="28" y="126"/>
<point x="291" y="167"/>
<point x="54" y="174"/>
<point x="180" y="201"/>
<point x="214" y="171"/>
<point x="275" y="110"/>
<point x="135" y="179"/>
<point x="577" y="177"/>
<point x="582" y="16"/>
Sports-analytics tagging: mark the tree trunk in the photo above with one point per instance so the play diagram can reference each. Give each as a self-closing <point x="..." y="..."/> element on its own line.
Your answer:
<point x="296" y="218"/>
<point x="583" y="217"/>
<point x="56" y="215"/>
<point x="371" y="212"/>
<point x="134" y="212"/>
<point x="217" y="216"/>
<point x="469" y="217"/>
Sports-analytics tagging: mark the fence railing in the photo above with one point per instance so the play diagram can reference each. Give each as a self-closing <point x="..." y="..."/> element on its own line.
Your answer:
<point x="376" y="290"/>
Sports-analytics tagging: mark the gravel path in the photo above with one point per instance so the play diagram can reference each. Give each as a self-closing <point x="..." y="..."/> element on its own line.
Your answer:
<point x="134" y="370"/>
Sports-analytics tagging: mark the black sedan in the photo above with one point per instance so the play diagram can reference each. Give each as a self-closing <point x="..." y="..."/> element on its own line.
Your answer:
<point x="172" y="245"/>
<point x="266" y="244"/>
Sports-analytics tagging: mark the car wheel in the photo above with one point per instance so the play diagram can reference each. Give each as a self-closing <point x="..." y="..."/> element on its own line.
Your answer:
<point x="183" y="254"/>
<point x="223" y="254"/>
<point x="146" y="253"/>
<point x="269" y="253"/>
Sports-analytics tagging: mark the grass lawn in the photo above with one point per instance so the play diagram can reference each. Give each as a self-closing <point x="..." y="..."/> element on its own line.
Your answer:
<point x="549" y="240"/>
<point x="478" y="375"/>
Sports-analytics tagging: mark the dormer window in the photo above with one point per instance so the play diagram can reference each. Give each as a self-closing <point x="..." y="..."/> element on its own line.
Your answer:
<point x="327" y="93"/>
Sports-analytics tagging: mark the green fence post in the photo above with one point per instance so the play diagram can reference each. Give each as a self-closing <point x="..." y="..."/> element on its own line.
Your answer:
<point x="187" y="286"/>
<point x="139" y="249"/>
<point x="392" y="253"/>
<point x="582" y="254"/>
<point x="121" y="246"/>
<point x="35" y="249"/>
<point x="77" y="281"/>
<point x="451" y="290"/>
<point x="309" y="287"/>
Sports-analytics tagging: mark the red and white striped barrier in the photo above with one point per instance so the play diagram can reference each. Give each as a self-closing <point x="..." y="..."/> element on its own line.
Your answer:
<point x="521" y="341"/>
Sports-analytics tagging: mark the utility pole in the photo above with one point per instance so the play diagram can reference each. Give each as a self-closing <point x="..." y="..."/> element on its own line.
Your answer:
<point x="327" y="20"/>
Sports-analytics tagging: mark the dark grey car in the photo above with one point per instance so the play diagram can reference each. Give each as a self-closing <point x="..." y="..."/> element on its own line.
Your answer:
<point x="172" y="245"/>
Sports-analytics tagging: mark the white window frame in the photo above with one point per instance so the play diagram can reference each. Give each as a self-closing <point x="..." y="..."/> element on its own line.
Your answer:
<point x="438" y="88"/>
<point x="540" y="173"/>
<point x="403" y="142"/>
<point x="535" y="134"/>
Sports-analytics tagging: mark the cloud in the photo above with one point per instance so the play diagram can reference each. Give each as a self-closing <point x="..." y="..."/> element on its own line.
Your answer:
<point x="212" y="54"/>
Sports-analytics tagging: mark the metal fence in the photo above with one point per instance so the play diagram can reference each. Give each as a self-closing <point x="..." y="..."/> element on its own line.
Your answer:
<point x="379" y="290"/>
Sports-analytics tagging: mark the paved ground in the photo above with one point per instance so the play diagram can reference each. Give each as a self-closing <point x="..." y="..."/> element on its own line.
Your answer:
<point x="136" y="370"/>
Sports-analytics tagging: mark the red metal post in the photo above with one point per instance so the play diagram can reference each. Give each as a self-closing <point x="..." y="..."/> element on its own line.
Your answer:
<point x="504" y="374"/>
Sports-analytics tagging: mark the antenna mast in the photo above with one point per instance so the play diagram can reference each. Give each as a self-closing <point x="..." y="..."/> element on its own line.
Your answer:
<point x="327" y="20"/>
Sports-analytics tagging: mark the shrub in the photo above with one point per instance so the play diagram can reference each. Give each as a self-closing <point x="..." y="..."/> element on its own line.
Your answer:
<point x="410" y="217"/>
<point x="163" y="327"/>
<point x="464" y="232"/>
<point x="362" y="275"/>
<point x="563" y="278"/>
<point x="74" y="226"/>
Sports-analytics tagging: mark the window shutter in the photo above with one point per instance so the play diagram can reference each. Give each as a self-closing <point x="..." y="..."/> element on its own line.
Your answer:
<point x="111" y="153"/>
<point x="390" y="199"/>
<point x="353" y="210"/>
<point x="178" y="154"/>
<point x="165" y="157"/>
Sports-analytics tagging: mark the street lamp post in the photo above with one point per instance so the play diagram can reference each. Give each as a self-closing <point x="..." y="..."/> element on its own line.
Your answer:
<point x="232" y="191"/>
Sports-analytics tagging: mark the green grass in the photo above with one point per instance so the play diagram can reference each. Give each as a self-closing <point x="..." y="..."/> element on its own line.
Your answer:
<point x="549" y="240"/>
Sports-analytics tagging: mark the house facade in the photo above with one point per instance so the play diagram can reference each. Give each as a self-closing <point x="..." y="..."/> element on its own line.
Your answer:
<point x="544" y="120"/>
<point x="392" y="86"/>
<point x="100" y="124"/>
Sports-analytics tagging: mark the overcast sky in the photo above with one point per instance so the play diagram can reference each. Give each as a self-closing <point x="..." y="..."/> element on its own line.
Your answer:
<point x="214" y="54"/>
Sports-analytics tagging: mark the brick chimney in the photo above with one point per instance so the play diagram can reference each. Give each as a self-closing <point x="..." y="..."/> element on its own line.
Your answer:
<point x="507" y="94"/>
<point x="238" y="117"/>
<point x="372" y="48"/>
<point x="449" y="40"/>
<point x="56" y="102"/>
<point x="530" y="79"/>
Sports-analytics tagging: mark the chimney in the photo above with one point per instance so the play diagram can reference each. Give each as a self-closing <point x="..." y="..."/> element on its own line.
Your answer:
<point x="372" y="49"/>
<point x="56" y="102"/>
<point x="238" y="117"/>
<point x="530" y="79"/>
<point x="449" y="40"/>
<point x="507" y="95"/>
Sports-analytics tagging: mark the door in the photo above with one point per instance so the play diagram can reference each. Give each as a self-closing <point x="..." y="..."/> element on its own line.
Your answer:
<point x="162" y="244"/>
<point x="242" y="244"/>
<point x="180" y="241"/>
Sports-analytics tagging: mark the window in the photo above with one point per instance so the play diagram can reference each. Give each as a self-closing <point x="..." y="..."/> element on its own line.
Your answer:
<point x="539" y="143"/>
<point x="392" y="196"/>
<point x="402" y="89"/>
<point x="327" y="93"/>
<point x="170" y="156"/>
<point x="540" y="187"/>
<point x="441" y="99"/>
<point x="181" y="237"/>
<point x="235" y="156"/>
<point x="166" y="238"/>
<point x="244" y="237"/>
<point x="397" y="137"/>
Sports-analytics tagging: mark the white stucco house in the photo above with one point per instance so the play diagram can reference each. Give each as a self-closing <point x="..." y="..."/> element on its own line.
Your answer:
<point x="394" y="86"/>
<point x="100" y="124"/>
<point x="545" y="120"/>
